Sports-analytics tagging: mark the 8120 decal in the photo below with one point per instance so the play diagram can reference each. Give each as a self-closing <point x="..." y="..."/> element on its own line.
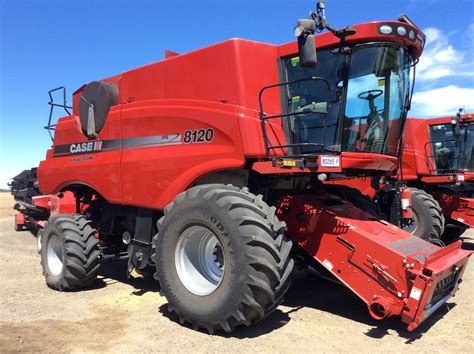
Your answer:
<point x="198" y="136"/>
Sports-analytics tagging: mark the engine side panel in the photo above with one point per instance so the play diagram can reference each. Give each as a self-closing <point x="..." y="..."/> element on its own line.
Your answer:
<point x="76" y="160"/>
<point x="191" y="139"/>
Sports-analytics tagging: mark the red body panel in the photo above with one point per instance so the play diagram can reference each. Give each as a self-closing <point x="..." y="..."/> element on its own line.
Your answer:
<point x="457" y="208"/>
<point x="63" y="203"/>
<point x="214" y="87"/>
<point x="101" y="171"/>
<point x="20" y="219"/>
<point x="35" y="215"/>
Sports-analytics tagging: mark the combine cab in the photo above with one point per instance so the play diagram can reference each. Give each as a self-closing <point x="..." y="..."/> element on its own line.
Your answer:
<point x="206" y="169"/>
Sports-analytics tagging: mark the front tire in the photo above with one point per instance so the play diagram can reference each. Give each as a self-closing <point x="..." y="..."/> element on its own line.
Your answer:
<point x="69" y="252"/>
<point x="221" y="256"/>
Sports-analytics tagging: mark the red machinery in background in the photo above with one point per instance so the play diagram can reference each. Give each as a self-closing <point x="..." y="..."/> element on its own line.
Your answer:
<point x="438" y="157"/>
<point x="188" y="166"/>
<point x="34" y="208"/>
<point x="438" y="169"/>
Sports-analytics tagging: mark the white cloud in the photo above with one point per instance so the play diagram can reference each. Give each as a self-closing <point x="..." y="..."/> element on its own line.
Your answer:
<point x="440" y="59"/>
<point x="441" y="101"/>
<point x="445" y="75"/>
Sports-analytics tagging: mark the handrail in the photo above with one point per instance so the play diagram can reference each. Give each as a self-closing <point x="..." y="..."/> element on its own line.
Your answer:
<point x="433" y="155"/>
<point x="51" y="127"/>
<point x="264" y="118"/>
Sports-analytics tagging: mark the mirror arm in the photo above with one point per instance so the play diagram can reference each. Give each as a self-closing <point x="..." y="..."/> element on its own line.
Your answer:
<point x="319" y="18"/>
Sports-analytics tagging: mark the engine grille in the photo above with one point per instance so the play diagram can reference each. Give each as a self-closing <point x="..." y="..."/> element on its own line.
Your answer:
<point x="444" y="287"/>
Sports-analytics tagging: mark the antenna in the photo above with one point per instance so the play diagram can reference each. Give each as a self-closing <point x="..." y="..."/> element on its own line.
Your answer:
<point x="319" y="18"/>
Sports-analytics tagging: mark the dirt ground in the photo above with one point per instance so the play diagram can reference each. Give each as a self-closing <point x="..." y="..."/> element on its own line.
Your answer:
<point x="6" y="203"/>
<point x="119" y="314"/>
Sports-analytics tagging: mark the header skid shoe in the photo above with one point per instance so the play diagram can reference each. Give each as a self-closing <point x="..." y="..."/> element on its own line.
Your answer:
<point x="392" y="271"/>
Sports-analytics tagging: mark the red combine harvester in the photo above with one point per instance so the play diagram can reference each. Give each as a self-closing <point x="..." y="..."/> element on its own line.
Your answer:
<point x="207" y="168"/>
<point x="438" y="158"/>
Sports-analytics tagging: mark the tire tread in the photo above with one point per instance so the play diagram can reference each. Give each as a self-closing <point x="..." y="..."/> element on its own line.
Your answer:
<point x="81" y="252"/>
<point x="267" y="250"/>
<point x="436" y="213"/>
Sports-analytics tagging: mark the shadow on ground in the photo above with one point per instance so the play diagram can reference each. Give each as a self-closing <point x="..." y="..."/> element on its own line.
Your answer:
<point x="116" y="271"/>
<point x="276" y="320"/>
<point x="313" y="292"/>
<point x="307" y="291"/>
<point x="467" y="243"/>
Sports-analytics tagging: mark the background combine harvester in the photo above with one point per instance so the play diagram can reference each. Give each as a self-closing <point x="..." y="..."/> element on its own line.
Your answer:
<point x="188" y="167"/>
<point x="438" y="158"/>
<point x="438" y="168"/>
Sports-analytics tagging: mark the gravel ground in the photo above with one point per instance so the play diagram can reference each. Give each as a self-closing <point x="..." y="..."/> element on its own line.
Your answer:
<point x="120" y="314"/>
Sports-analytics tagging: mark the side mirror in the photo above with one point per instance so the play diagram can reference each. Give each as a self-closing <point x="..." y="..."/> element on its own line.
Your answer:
<point x="306" y="44"/>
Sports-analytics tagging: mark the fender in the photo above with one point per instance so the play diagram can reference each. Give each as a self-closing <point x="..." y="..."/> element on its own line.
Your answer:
<point x="185" y="181"/>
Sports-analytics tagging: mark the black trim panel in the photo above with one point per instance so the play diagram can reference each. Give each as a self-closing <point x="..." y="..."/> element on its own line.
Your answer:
<point x="93" y="147"/>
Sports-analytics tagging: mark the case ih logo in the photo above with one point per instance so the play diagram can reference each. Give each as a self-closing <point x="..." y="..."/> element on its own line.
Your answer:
<point x="85" y="147"/>
<point x="93" y="147"/>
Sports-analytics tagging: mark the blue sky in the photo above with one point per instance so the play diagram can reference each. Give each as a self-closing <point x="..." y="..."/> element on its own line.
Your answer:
<point x="45" y="44"/>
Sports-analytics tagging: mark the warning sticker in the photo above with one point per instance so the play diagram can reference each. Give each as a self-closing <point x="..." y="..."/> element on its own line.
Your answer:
<point x="328" y="264"/>
<point x="415" y="293"/>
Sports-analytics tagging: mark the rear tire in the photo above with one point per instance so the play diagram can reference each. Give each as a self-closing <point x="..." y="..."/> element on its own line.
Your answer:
<point x="428" y="216"/>
<point x="69" y="252"/>
<point x="246" y="273"/>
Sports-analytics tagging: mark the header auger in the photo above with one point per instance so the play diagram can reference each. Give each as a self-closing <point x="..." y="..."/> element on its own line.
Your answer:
<point x="206" y="169"/>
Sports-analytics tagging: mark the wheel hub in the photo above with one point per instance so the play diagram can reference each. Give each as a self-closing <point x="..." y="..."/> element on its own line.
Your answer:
<point x="199" y="260"/>
<point x="55" y="255"/>
<point x="413" y="226"/>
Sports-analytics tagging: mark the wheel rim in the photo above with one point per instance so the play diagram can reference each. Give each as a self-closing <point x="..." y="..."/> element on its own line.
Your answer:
<point x="199" y="260"/>
<point x="55" y="255"/>
<point x="414" y="225"/>
<point x="38" y="241"/>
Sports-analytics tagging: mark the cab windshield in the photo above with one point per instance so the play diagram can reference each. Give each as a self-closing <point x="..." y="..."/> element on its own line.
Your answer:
<point x="452" y="153"/>
<point x="363" y="109"/>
